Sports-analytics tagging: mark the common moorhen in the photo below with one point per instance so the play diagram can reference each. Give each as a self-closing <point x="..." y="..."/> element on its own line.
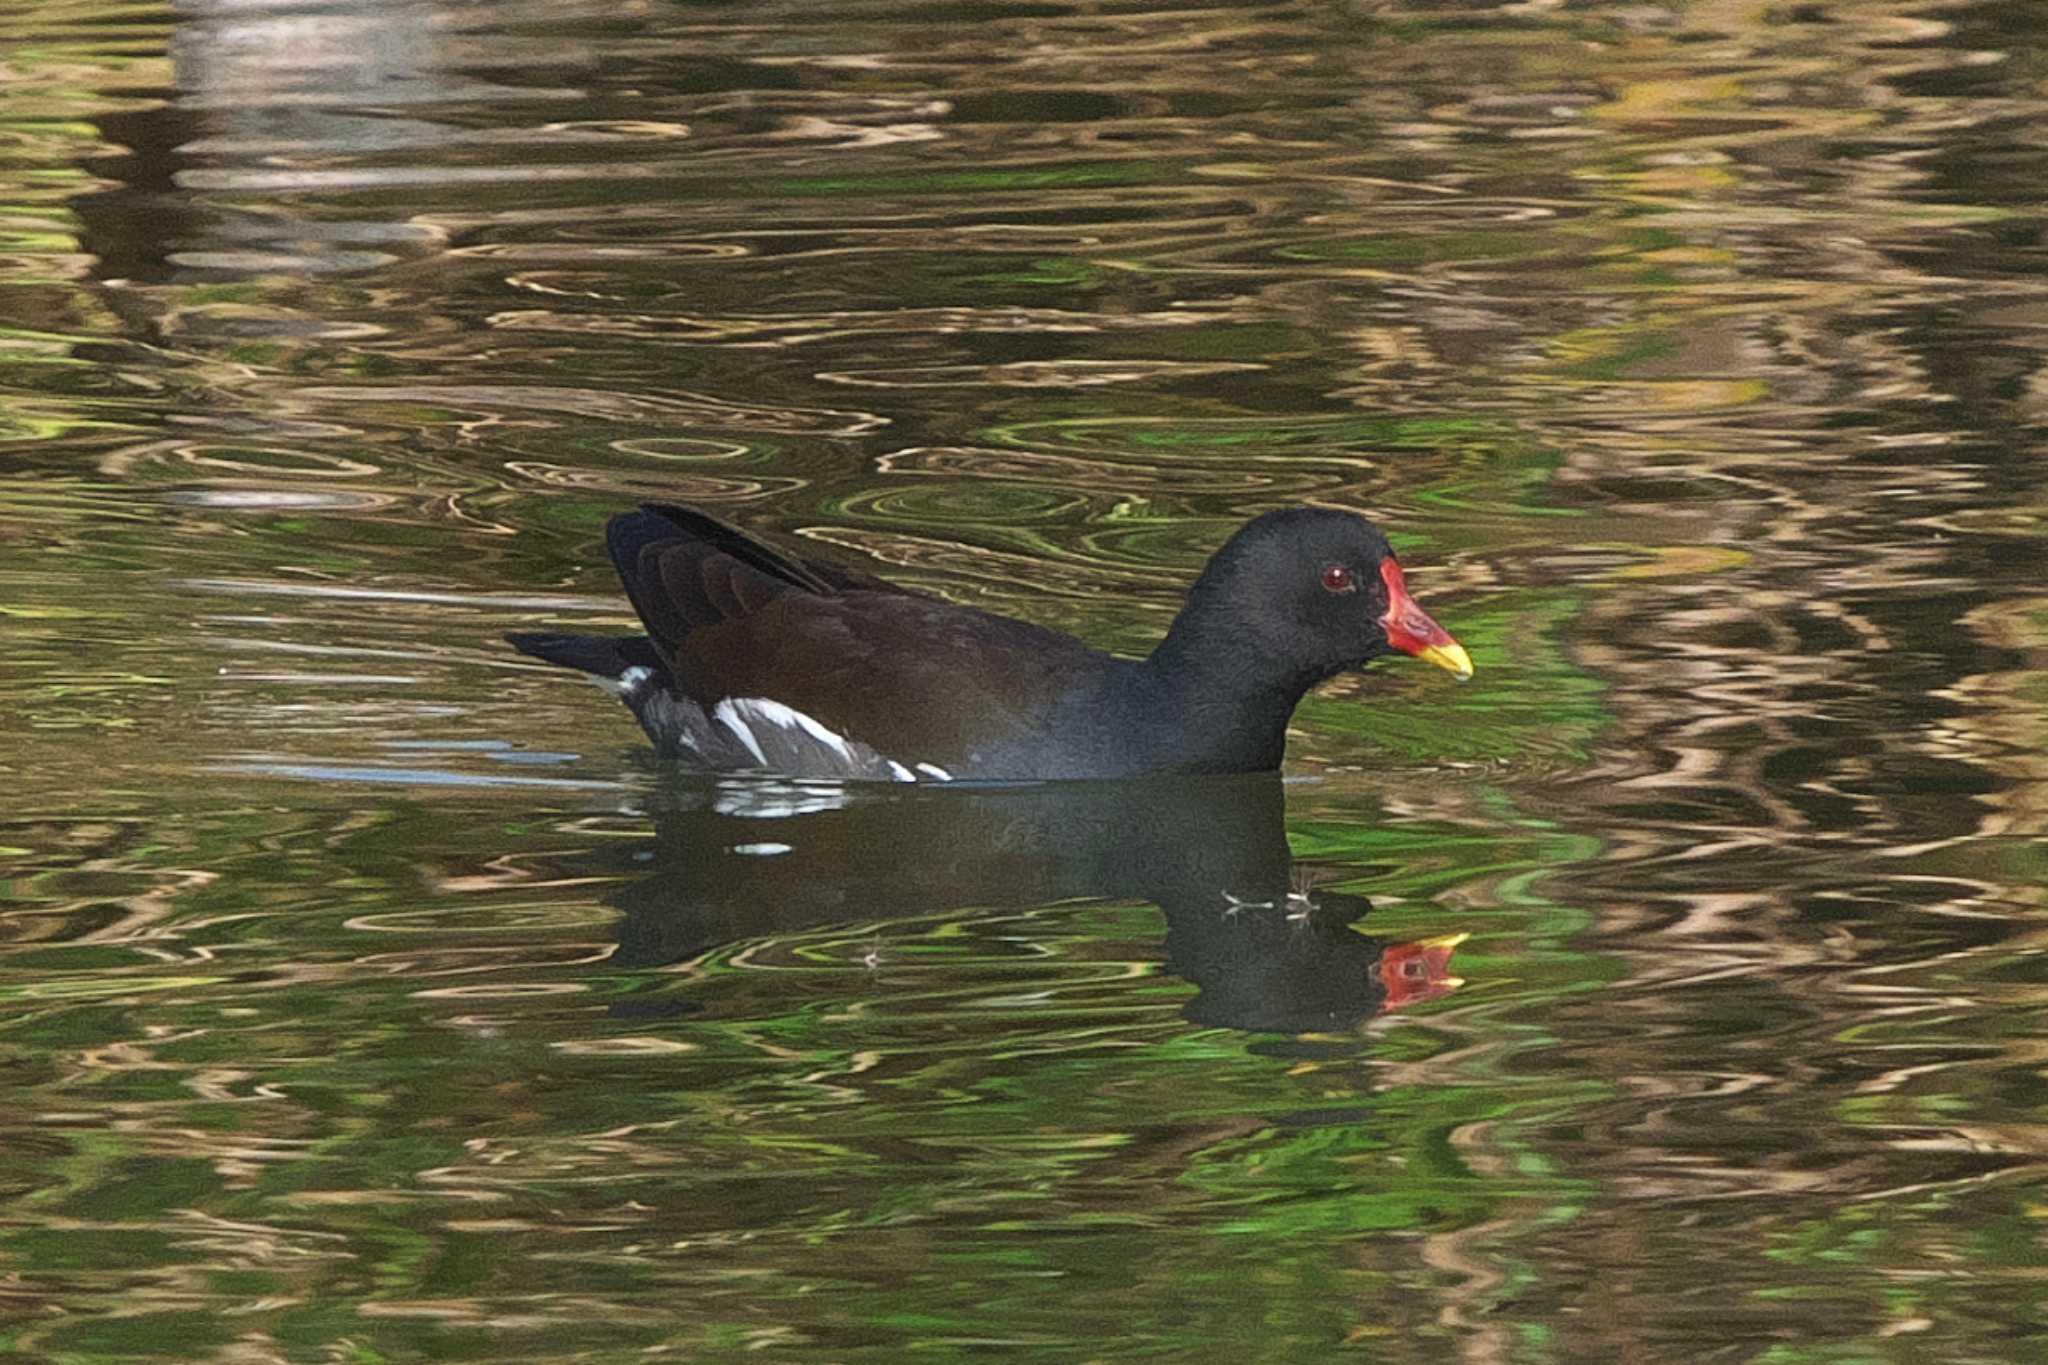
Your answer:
<point x="759" y="661"/>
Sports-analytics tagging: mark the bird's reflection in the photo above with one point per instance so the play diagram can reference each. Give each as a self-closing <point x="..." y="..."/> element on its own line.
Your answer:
<point x="751" y="860"/>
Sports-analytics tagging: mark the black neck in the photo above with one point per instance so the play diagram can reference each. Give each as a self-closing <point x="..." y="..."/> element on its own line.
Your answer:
<point x="1228" y="702"/>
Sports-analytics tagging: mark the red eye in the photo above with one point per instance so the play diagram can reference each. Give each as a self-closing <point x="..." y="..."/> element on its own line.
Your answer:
<point x="1337" y="578"/>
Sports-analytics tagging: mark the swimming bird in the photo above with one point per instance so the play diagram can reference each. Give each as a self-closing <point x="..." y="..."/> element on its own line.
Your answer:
<point x="756" y="660"/>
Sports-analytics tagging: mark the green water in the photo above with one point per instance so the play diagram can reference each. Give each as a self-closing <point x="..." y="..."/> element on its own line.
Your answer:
<point x="1674" y="991"/>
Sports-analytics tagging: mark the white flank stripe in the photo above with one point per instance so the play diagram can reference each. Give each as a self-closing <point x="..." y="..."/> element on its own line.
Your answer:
<point x="934" y="770"/>
<point x="748" y="710"/>
<point x="775" y="713"/>
<point x="727" y="713"/>
<point x="899" y="772"/>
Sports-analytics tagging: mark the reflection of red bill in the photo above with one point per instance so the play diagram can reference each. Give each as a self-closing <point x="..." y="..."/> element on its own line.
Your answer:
<point x="1412" y="630"/>
<point x="1418" y="971"/>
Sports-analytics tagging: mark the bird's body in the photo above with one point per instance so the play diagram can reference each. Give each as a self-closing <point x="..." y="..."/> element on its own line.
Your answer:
<point x="763" y="662"/>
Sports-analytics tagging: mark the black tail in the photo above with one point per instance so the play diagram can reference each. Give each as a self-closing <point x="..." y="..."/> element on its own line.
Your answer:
<point x="608" y="656"/>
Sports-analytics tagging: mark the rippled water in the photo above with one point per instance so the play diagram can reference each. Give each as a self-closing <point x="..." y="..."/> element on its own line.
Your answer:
<point x="1674" y="991"/>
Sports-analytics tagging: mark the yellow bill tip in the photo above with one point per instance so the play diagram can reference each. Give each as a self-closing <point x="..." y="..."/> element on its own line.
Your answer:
<point x="1451" y="658"/>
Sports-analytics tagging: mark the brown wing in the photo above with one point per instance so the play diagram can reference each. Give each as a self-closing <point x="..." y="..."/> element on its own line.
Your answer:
<point x="913" y="677"/>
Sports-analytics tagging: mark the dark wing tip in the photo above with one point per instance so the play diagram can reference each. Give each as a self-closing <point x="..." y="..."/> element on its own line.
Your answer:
<point x="630" y="534"/>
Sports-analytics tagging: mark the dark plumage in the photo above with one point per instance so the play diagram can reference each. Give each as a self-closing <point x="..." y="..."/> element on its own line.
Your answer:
<point x="759" y="661"/>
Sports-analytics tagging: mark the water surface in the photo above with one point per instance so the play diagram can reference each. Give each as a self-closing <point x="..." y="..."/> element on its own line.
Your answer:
<point x="1673" y="991"/>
